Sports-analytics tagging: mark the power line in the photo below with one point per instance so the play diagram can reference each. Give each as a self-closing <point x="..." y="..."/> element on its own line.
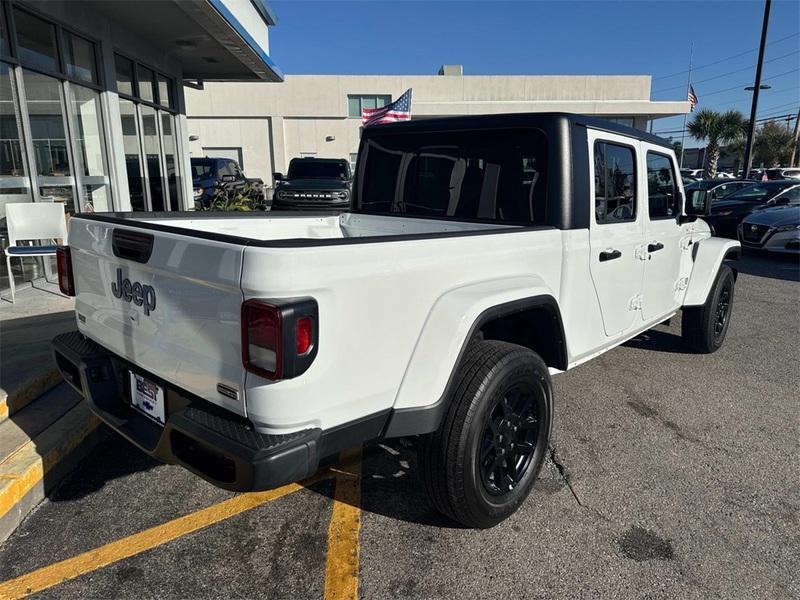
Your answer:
<point x="735" y="87"/>
<point x="779" y="108"/>
<point x="677" y="87"/>
<point x="716" y="62"/>
<point x="783" y="117"/>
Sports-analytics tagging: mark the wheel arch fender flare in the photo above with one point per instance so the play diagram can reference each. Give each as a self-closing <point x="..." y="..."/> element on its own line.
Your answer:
<point x="452" y="323"/>
<point x="708" y="256"/>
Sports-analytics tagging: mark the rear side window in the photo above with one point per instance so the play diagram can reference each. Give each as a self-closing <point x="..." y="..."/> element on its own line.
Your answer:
<point x="493" y="176"/>
<point x="614" y="183"/>
<point x="662" y="191"/>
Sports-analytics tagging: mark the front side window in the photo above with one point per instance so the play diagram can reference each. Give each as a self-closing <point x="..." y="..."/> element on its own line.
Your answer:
<point x="662" y="190"/>
<point x="36" y="41"/>
<point x="494" y="176"/>
<point x="79" y="58"/>
<point x="614" y="183"/>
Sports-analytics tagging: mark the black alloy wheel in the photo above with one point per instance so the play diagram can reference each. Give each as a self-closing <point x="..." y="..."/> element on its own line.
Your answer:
<point x="509" y="439"/>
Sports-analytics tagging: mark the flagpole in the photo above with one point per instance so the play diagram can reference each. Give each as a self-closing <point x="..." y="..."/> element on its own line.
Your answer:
<point x="688" y="86"/>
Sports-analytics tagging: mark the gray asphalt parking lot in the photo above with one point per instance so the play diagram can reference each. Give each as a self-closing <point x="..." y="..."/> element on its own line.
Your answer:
<point x="671" y="475"/>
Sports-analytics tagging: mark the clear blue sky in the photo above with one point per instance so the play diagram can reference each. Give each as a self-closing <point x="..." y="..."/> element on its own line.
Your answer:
<point x="556" y="37"/>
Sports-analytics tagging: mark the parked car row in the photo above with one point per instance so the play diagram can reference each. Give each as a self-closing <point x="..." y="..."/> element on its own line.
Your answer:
<point x="692" y="175"/>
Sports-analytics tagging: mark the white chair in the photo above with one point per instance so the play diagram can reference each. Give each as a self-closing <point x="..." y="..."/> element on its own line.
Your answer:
<point x="34" y="221"/>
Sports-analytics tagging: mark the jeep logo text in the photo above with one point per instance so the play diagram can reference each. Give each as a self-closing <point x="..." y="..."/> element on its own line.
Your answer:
<point x="140" y="295"/>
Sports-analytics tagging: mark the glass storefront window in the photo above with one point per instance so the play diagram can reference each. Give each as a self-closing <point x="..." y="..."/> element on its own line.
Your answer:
<point x="164" y="91"/>
<point x="80" y="59"/>
<point x="3" y="32"/>
<point x="124" y="69"/>
<point x="84" y="108"/>
<point x="152" y="153"/>
<point x="48" y="134"/>
<point x="36" y="41"/>
<point x="14" y="182"/>
<point x="130" y="142"/>
<point x="170" y="159"/>
<point x="146" y="89"/>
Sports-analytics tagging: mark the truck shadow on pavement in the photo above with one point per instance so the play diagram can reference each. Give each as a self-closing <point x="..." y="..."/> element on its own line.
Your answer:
<point x="113" y="458"/>
<point x="658" y="340"/>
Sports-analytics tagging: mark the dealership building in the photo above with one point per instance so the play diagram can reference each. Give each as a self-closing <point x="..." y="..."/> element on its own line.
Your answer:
<point x="265" y="126"/>
<point x="92" y="107"/>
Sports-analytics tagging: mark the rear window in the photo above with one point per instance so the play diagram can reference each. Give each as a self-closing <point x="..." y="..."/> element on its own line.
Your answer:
<point x="497" y="175"/>
<point x="202" y="168"/>
<point x="308" y="169"/>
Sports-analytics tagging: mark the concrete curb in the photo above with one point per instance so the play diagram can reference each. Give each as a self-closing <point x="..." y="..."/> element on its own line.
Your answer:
<point x="19" y="396"/>
<point x="36" y="467"/>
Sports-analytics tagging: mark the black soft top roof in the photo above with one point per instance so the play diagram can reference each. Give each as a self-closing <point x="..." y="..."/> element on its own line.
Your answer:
<point x="512" y="120"/>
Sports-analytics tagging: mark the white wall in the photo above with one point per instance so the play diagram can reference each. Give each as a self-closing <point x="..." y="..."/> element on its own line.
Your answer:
<point x="306" y="111"/>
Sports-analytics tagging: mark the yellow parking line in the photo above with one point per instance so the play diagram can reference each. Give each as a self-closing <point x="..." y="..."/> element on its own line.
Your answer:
<point x="341" y="568"/>
<point x="148" y="539"/>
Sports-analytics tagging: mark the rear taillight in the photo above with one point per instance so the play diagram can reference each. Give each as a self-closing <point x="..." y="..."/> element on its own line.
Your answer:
<point x="304" y="330"/>
<point x="66" y="282"/>
<point x="279" y="338"/>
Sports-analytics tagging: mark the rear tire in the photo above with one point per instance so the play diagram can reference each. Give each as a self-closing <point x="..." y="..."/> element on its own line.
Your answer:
<point x="482" y="462"/>
<point x="704" y="327"/>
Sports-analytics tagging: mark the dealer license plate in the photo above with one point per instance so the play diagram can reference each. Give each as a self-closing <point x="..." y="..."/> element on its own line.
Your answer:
<point x="147" y="397"/>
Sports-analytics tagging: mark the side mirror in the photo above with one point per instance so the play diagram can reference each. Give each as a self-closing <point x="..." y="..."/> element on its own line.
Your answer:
<point x="698" y="204"/>
<point x="277" y="176"/>
<point x="228" y="178"/>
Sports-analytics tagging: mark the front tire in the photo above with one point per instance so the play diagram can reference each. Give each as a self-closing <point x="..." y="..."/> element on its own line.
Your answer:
<point x="704" y="327"/>
<point x="482" y="462"/>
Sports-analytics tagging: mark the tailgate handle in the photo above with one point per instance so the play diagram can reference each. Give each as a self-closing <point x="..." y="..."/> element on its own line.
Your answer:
<point x="132" y="245"/>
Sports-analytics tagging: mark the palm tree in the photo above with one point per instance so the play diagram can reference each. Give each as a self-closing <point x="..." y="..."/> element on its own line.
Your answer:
<point x="718" y="129"/>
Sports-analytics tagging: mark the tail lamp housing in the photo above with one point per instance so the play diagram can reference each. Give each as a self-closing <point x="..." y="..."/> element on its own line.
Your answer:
<point x="280" y="338"/>
<point x="66" y="281"/>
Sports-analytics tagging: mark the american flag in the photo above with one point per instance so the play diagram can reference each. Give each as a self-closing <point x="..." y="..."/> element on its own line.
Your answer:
<point x="692" y="97"/>
<point x="399" y="110"/>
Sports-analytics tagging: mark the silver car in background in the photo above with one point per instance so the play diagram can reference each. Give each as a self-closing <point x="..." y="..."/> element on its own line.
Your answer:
<point x="776" y="229"/>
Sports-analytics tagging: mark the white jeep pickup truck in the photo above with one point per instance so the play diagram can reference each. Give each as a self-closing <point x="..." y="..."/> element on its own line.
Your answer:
<point x="482" y="256"/>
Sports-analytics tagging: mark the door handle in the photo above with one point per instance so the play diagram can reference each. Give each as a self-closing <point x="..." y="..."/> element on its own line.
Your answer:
<point x="609" y="255"/>
<point x="655" y="247"/>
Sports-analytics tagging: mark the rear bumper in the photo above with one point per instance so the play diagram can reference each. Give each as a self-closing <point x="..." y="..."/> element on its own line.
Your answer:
<point x="212" y="443"/>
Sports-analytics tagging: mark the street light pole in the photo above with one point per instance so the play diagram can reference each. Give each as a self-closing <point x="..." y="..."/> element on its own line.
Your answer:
<point x="748" y="149"/>
<point x="795" y="138"/>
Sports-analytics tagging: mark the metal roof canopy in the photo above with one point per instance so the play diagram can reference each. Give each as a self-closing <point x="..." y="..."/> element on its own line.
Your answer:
<point x="202" y="35"/>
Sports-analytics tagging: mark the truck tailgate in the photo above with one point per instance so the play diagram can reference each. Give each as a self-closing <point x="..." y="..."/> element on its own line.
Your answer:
<point x="167" y="303"/>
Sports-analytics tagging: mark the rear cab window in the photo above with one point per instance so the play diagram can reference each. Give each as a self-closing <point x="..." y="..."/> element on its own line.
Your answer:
<point x="490" y="176"/>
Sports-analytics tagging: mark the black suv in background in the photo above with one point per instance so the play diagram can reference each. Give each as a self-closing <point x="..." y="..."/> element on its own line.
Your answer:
<point x="314" y="183"/>
<point x="211" y="175"/>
